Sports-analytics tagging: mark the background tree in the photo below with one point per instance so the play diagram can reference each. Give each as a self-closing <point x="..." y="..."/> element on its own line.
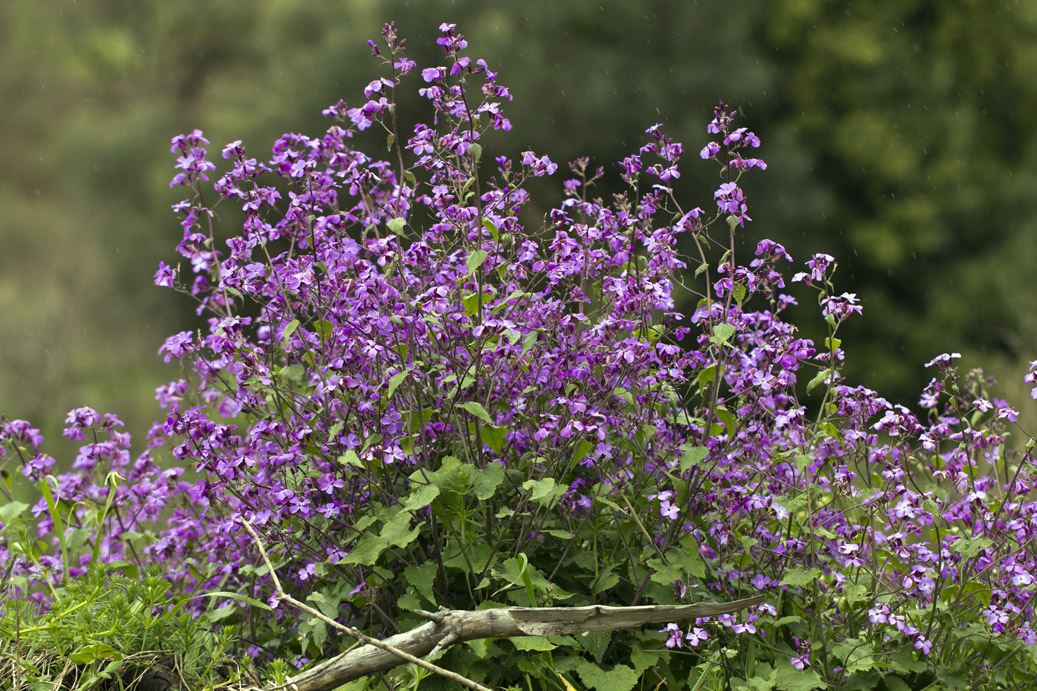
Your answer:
<point x="899" y="130"/>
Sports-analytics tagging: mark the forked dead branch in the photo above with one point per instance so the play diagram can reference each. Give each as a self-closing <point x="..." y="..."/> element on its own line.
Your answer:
<point x="450" y="627"/>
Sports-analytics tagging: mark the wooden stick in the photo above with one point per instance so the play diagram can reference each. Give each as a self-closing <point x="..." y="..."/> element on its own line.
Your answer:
<point x="448" y="627"/>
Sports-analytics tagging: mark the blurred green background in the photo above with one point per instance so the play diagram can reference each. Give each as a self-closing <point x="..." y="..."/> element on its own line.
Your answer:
<point x="899" y="137"/>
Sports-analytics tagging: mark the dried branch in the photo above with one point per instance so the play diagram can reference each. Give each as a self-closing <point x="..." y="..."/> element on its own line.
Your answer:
<point x="456" y="626"/>
<point x="448" y="627"/>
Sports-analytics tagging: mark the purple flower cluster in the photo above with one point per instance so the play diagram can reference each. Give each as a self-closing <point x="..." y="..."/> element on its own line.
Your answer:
<point x="398" y="373"/>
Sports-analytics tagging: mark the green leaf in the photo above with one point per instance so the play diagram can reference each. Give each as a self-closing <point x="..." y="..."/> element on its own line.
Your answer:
<point x="328" y="605"/>
<point x="493" y="436"/>
<point x="722" y="333"/>
<point x="397" y="379"/>
<point x="862" y="681"/>
<point x="764" y="678"/>
<point x="818" y="379"/>
<point x="349" y="458"/>
<point x="543" y="489"/>
<point x="12" y="510"/>
<point x="292" y="372"/>
<point x="409" y="601"/>
<point x="582" y="449"/>
<point x="560" y="534"/>
<point x="418" y="419"/>
<point x="504" y="303"/>
<point x="595" y="643"/>
<point x="528" y="342"/>
<point x="791" y="679"/>
<point x="422" y="577"/>
<point x="220" y="593"/>
<point x="474" y="408"/>
<point x="487" y="480"/>
<point x="903" y="660"/>
<point x="489" y="225"/>
<point x="519" y="571"/>
<point x="707" y="376"/>
<point x="290" y="329"/>
<point x="397" y="530"/>
<point x="803" y="462"/>
<point x="618" y="678"/>
<point x="316" y="630"/>
<point x="855" y="593"/>
<point x="475" y="260"/>
<point x="725" y="416"/>
<point x="76" y="537"/>
<point x="96" y="651"/>
<point x="689" y="557"/>
<point x="225" y="614"/>
<point x="643" y="659"/>
<point x="420" y="497"/>
<point x="480" y="647"/>
<point x="790" y="620"/>
<point x="472" y="558"/>
<point x="366" y="551"/>
<point x="129" y="568"/>
<point x="324" y="328"/>
<point x="55" y="516"/>
<point x="692" y="456"/>
<point x="971" y="546"/>
<point x="893" y="683"/>
<point x="954" y="678"/>
<point x="396" y="225"/>
<point x="446" y="475"/>
<point x="739" y="293"/>
<point x="800" y="576"/>
<point x="536" y="643"/>
<point x="664" y="574"/>
<point x="471" y="303"/>
<point x="605" y="580"/>
<point x="334" y="430"/>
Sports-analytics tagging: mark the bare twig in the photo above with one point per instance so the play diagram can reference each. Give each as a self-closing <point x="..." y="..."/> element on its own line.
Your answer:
<point x="281" y="595"/>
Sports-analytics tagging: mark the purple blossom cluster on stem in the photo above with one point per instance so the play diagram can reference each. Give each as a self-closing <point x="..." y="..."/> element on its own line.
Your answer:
<point x="416" y="398"/>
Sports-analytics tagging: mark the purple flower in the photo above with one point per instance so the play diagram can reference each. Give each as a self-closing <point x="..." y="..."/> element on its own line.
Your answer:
<point x="165" y="276"/>
<point x="176" y="345"/>
<point x="38" y="466"/>
<point x="943" y="360"/>
<point x="675" y="636"/>
<point x="1031" y="378"/>
<point x="696" y="636"/>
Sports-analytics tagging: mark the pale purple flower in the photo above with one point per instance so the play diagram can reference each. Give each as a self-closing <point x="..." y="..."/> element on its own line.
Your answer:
<point x="674" y="633"/>
<point x="943" y="360"/>
<point x="696" y="636"/>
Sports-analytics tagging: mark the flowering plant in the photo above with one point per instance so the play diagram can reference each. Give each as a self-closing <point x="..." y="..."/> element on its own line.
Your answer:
<point x="419" y="399"/>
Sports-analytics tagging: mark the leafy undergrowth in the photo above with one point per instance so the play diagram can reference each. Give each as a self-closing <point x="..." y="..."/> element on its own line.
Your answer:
<point x="107" y="630"/>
